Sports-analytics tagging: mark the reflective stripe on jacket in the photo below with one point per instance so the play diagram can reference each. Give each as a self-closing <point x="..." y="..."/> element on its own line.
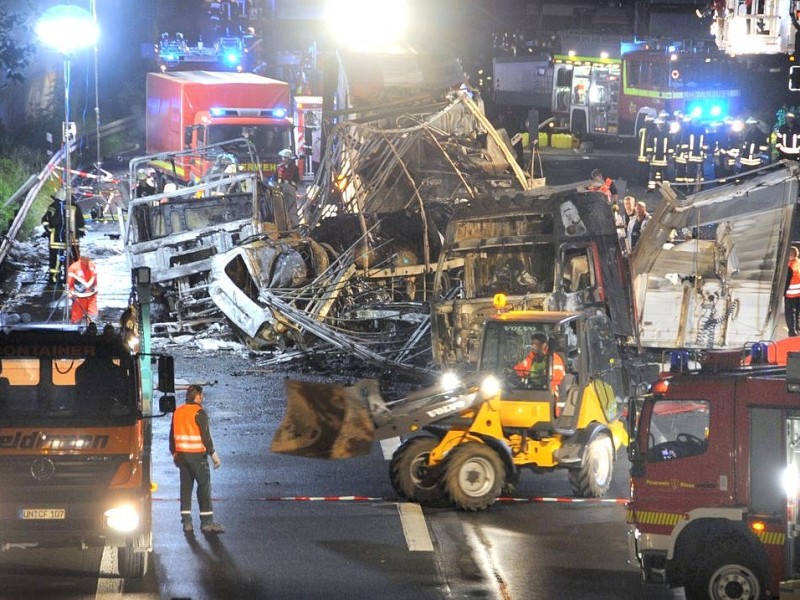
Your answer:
<point x="186" y="429"/>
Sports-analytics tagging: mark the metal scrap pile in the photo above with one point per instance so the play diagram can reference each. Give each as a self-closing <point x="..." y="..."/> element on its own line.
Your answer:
<point x="363" y="261"/>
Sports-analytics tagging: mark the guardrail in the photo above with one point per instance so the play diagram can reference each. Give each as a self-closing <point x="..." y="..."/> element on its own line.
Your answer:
<point x="34" y="184"/>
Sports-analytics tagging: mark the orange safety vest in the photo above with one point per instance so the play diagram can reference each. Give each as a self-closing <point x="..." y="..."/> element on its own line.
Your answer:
<point x="186" y="431"/>
<point x="604" y="188"/>
<point x="523" y="367"/>
<point x="793" y="291"/>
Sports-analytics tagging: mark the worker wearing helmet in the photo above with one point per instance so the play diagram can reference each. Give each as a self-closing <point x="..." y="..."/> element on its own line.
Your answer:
<point x="791" y="295"/>
<point x="644" y="132"/>
<point x="55" y="222"/>
<point x="754" y="146"/>
<point x="145" y="184"/>
<point x="788" y="145"/>
<point x="287" y="171"/>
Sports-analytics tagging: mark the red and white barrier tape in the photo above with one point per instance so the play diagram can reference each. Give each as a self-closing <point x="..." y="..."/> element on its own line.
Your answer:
<point x="508" y="499"/>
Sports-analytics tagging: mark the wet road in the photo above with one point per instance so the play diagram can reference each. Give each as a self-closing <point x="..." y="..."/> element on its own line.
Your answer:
<point x="303" y="528"/>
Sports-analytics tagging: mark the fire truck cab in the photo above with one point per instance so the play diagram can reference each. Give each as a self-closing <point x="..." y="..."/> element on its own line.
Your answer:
<point x="607" y="96"/>
<point x="715" y="468"/>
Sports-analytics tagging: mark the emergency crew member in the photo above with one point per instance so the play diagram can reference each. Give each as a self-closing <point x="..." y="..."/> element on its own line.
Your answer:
<point x="791" y="297"/>
<point x="190" y="444"/>
<point x="641" y="158"/>
<point x="788" y="145"/>
<point x="753" y="147"/>
<point x="82" y="290"/>
<point x="534" y="366"/>
<point x="693" y="151"/>
<point x="55" y="228"/>
<point x="287" y="171"/>
<point x="604" y="185"/>
<point x="145" y="185"/>
<point x="660" y="152"/>
<point x="730" y="141"/>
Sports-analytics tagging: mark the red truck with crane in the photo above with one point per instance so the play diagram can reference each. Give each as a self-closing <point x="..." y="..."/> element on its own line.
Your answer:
<point x="190" y="110"/>
<point x="715" y="468"/>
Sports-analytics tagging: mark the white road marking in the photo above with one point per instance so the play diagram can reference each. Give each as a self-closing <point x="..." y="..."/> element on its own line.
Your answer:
<point x="109" y="587"/>
<point x="388" y="446"/>
<point x="414" y="527"/>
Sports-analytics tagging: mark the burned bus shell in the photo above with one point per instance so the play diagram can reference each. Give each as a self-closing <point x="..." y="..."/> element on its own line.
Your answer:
<point x="547" y="249"/>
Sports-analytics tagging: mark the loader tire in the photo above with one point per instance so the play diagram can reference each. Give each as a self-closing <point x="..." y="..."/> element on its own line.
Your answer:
<point x="593" y="478"/>
<point x="131" y="564"/>
<point x="474" y="476"/>
<point x="408" y="468"/>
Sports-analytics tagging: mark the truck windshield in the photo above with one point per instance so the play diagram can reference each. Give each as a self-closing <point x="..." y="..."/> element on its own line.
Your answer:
<point x="38" y="392"/>
<point x="677" y="429"/>
<point x="510" y="270"/>
<point x="268" y="139"/>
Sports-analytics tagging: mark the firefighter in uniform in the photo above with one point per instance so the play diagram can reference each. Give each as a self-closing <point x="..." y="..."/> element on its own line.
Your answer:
<point x="729" y="147"/>
<point x="681" y="144"/>
<point x="697" y="150"/>
<point x="659" y="154"/>
<point x="82" y="290"/>
<point x="644" y="132"/>
<point x="754" y="146"/>
<point x="55" y="228"/>
<point x="791" y="296"/>
<point x="788" y="145"/>
<point x="190" y="444"/>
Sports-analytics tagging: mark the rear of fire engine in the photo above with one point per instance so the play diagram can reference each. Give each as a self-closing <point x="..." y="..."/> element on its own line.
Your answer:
<point x="75" y="442"/>
<point x="714" y="473"/>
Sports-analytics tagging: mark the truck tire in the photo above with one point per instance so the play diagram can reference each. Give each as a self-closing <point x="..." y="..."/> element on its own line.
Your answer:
<point x="726" y="571"/>
<point x="130" y="564"/>
<point x="408" y="468"/>
<point x="474" y="476"/>
<point x="593" y="478"/>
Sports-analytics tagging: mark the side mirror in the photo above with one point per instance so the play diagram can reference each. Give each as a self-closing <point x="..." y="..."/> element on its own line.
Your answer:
<point x="166" y="404"/>
<point x="166" y="374"/>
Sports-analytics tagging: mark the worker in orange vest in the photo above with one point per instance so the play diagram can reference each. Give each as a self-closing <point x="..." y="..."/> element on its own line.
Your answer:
<point x="534" y="366"/>
<point x="190" y="444"/>
<point x="791" y="297"/>
<point x="82" y="291"/>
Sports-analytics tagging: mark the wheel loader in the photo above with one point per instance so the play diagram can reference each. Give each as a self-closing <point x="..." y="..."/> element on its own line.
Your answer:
<point x="468" y="438"/>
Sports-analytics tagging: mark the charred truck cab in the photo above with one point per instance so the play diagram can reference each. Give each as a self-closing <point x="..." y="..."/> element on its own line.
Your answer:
<point x="552" y="250"/>
<point x="75" y="441"/>
<point x="715" y="472"/>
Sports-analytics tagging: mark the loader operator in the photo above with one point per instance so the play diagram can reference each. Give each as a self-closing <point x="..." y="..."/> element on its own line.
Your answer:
<point x="533" y="367"/>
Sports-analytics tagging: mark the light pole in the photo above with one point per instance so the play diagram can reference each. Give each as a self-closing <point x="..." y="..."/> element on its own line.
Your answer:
<point x="67" y="28"/>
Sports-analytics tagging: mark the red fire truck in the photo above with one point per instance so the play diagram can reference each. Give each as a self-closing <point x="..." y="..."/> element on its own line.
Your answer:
<point x="715" y="468"/>
<point x="611" y="93"/>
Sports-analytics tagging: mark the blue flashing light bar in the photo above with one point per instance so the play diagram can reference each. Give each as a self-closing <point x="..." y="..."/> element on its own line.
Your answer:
<point x="707" y="109"/>
<point x="279" y="113"/>
<point x="232" y="58"/>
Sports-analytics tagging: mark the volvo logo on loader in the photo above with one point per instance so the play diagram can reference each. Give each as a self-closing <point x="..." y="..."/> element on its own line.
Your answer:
<point x="447" y="408"/>
<point x="43" y="469"/>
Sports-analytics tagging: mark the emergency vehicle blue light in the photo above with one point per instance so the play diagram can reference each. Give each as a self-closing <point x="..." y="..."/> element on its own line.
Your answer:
<point x="216" y="112"/>
<point x="169" y="57"/>
<point x="232" y="58"/>
<point x="279" y="113"/>
<point x="716" y="111"/>
<point x="707" y="109"/>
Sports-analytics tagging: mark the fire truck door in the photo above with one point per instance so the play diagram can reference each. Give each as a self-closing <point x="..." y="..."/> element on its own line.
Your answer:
<point x="791" y="481"/>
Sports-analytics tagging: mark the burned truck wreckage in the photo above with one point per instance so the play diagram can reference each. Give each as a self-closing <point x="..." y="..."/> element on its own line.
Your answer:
<point x="414" y="222"/>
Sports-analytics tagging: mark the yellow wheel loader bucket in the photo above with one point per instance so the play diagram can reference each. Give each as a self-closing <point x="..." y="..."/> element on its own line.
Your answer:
<point x="324" y="421"/>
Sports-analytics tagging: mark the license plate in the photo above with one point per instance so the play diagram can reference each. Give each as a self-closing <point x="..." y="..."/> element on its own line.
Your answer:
<point x="43" y="513"/>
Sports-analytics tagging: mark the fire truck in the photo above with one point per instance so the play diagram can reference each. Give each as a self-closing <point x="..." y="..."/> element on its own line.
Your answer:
<point x="715" y="472"/>
<point x="610" y="93"/>
<point x="75" y="410"/>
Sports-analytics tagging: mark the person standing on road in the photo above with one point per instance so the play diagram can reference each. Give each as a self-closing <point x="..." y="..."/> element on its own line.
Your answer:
<point x="190" y="444"/>
<point x="55" y="222"/>
<point x="791" y="296"/>
<point x="82" y="290"/>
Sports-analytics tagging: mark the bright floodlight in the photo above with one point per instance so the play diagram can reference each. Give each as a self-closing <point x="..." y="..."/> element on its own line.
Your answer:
<point x="368" y="24"/>
<point x="67" y="28"/>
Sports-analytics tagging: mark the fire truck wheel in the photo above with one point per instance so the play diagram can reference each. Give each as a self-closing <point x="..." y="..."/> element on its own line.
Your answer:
<point x="130" y="564"/>
<point x="474" y="476"/>
<point x="409" y="467"/>
<point x="727" y="571"/>
<point x="593" y="478"/>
